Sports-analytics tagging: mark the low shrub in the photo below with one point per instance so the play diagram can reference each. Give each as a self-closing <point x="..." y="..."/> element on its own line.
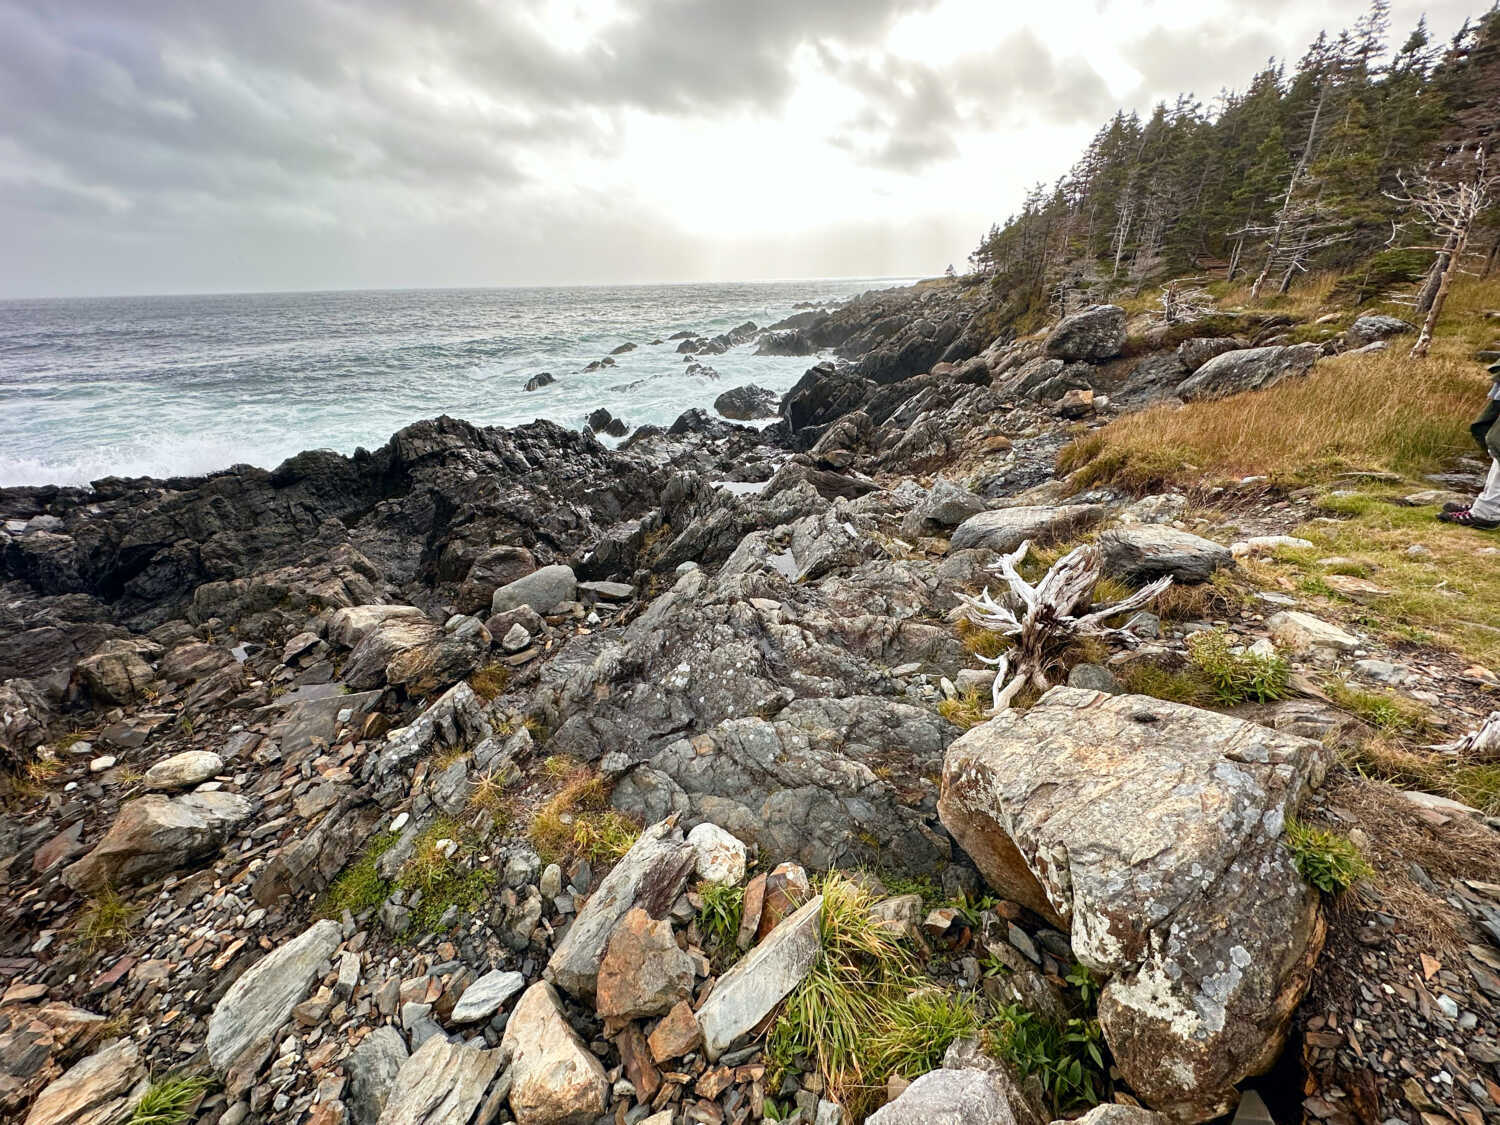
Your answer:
<point x="1237" y="675"/>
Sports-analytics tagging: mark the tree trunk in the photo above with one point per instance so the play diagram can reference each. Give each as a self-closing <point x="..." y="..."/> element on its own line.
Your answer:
<point x="1429" y="288"/>
<point x="1445" y="281"/>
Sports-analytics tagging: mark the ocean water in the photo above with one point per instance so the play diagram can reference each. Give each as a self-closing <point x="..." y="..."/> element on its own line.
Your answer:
<point x="164" y="386"/>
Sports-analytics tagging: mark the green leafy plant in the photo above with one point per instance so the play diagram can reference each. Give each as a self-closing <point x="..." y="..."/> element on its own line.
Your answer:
<point x="359" y="886"/>
<point x="438" y="868"/>
<point x="169" y="1101"/>
<point x="1067" y="1058"/>
<point x="1324" y="858"/>
<point x="1237" y="675"/>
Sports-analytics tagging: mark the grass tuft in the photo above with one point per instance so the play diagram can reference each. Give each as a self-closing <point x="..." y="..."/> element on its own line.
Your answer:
<point x="719" y="921"/>
<point x="577" y="821"/>
<point x="169" y="1101"/>
<point x="965" y="711"/>
<point x="1385" y="711"/>
<point x="107" y="921"/>
<point x="1325" y="859"/>
<point x="490" y="681"/>
<point x="1237" y="676"/>
<point x="1143" y="677"/>
<point x="359" y="886"/>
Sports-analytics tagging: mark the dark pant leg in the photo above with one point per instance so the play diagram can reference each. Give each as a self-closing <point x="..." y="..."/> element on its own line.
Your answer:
<point x="1485" y="430"/>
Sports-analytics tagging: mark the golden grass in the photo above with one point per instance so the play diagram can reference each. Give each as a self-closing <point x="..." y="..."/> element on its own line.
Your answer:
<point x="577" y="821"/>
<point x="490" y="680"/>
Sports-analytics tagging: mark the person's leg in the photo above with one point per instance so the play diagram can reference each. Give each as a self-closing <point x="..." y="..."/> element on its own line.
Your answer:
<point x="1487" y="506"/>
<point x="1484" y="427"/>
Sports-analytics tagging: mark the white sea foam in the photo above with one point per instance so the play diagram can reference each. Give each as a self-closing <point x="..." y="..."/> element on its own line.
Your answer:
<point x="183" y="386"/>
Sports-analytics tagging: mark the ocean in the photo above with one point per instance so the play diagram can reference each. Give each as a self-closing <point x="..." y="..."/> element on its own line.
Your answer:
<point x="169" y="386"/>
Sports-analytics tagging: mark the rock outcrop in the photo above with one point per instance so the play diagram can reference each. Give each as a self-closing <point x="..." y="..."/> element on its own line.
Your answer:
<point x="1247" y="369"/>
<point x="1094" y="334"/>
<point x="1153" y="832"/>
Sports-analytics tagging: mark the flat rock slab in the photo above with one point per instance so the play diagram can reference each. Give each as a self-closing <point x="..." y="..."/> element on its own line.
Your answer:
<point x="1304" y="633"/>
<point x="243" y="1027"/>
<point x="1142" y="554"/>
<point x="487" y="995"/>
<point x="155" y="835"/>
<point x="1005" y="529"/>
<point x="441" y="1083"/>
<point x="372" y="1068"/>
<point x="649" y="875"/>
<point x="100" y="1090"/>
<point x="761" y="979"/>
<point x="554" y="1078"/>
<point x="1153" y="831"/>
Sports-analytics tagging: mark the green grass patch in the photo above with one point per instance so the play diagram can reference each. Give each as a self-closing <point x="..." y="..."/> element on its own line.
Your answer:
<point x="359" y="886"/>
<point x="719" y="921"/>
<point x="440" y="871"/>
<point x="1325" y="859"/>
<point x="1144" y="677"/>
<point x="1383" y="710"/>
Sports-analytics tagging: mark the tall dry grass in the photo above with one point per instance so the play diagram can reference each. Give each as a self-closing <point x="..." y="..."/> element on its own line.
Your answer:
<point x="1353" y="412"/>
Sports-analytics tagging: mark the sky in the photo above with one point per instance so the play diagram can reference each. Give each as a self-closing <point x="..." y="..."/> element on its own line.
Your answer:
<point x="177" y="146"/>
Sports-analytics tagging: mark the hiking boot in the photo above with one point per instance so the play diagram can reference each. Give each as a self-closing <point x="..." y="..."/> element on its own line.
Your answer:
<point x="1467" y="518"/>
<point x="1456" y="506"/>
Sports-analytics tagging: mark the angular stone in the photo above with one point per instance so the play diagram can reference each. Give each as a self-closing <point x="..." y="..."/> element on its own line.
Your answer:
<point x="115" y="675"/>
<point x="676" y="1034"/>
<point x="486" y="996"/>
<point x="643" y="972"/>
<point x="650" y="875"/>
<point x="1139" y="555"/>
<point x="442" y="1083"/>
<point x="183" y="771"/>
<point x="100" y="1090"/>
<point x="347" y="627"/>
<point x="1154" y="832"/>
<point x="1303" y="633"/>
<point x="155" y="835"/>
<point x="245" y="1023"/>
<point x="372" y="1068"/>
<point x="541" y="590"/>
<point x="945" y="505"/>
<point x="1005" y="529"/>
<point x="760" y="980"/>
<point x="958" y="1097"/>
<point x="720" y="855"/>
<point x="554" y="1078"/>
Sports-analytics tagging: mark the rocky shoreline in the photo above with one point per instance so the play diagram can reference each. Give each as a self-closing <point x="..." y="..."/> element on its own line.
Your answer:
<point x="401" y="787"/>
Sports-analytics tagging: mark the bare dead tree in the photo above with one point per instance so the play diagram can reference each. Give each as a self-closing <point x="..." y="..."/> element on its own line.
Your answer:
<point x="1184" y="301"/>
<point x="1481" y="744"/>
<point x="1292" y="213"/>
<point x="1449" y="201"/>
<point x="1044" y="619"/>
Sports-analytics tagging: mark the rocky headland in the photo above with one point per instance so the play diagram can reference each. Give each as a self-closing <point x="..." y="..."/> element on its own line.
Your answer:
<point x="500" y="775"/>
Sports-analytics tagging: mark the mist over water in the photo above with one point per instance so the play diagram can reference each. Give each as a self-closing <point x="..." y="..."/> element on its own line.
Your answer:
<point x="166" y="386"/>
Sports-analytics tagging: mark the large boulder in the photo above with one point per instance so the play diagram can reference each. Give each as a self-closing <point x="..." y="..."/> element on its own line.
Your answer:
<point x="499" y="566"/>
<point x="382" y="643"/>
<point x="542" y="590"/>
<point x="650" y="875"/>
<point x="1247" y="369"/>
<point x="822" y="395"/>
<point x="1005" y="529"/>
<point x="1194" y="353"/>
<point x="747" y="402"/>
<point x="156" y="835"/>
<point x="183" y="771"/>
<point x="118" y="673"/>
<point x="245" y="1023"/>
<point x="348" y="626"/>
<point x="1153" y="832"/>
<point x="643" y="973"/>
<point x="1097" y="333"/>
<point x="1368" y="329"/>
<point x="554" y="1078"/>
<point x="760" y="980"/>
<point x="1142" y="554"/>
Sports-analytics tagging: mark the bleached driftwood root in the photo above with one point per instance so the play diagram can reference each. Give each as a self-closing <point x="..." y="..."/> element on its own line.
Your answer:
<point x="1044" y="619"/>
<point x="1481" y="744"/>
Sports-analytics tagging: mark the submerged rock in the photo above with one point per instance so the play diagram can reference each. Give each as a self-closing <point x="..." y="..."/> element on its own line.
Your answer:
<point x="1153" y="831"/>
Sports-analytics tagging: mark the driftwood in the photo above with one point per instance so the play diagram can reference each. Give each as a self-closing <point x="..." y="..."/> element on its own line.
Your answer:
<point x="1044" y="619"/>
<point x="1481" y="744"/>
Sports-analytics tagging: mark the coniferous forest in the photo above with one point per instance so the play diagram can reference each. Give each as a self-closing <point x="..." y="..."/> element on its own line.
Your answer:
<point x="1379" y="163"/>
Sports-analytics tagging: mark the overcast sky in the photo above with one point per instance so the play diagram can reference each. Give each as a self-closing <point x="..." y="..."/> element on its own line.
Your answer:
<point x="167" y="146"/>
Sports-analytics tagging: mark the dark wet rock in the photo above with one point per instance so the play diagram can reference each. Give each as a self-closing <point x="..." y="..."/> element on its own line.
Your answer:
<point x="824" y="394"/>
<point x="790" y="343"/>
<point x="540" y="380"/>
<point x="747" y="402"/>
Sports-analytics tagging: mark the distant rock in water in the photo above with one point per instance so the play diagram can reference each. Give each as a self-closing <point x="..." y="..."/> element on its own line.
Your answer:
<point x="785" y="343"/>
<point x="600" y="364"/>
<point x="684" y="335"/>
<point x="747" y="402"/>
<point x="700" y="371"/>
<point x="690" y="344"/>
<point x="623" y="348"/>
<point x="545" y="379"/>
<point x="601" y="421"/>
